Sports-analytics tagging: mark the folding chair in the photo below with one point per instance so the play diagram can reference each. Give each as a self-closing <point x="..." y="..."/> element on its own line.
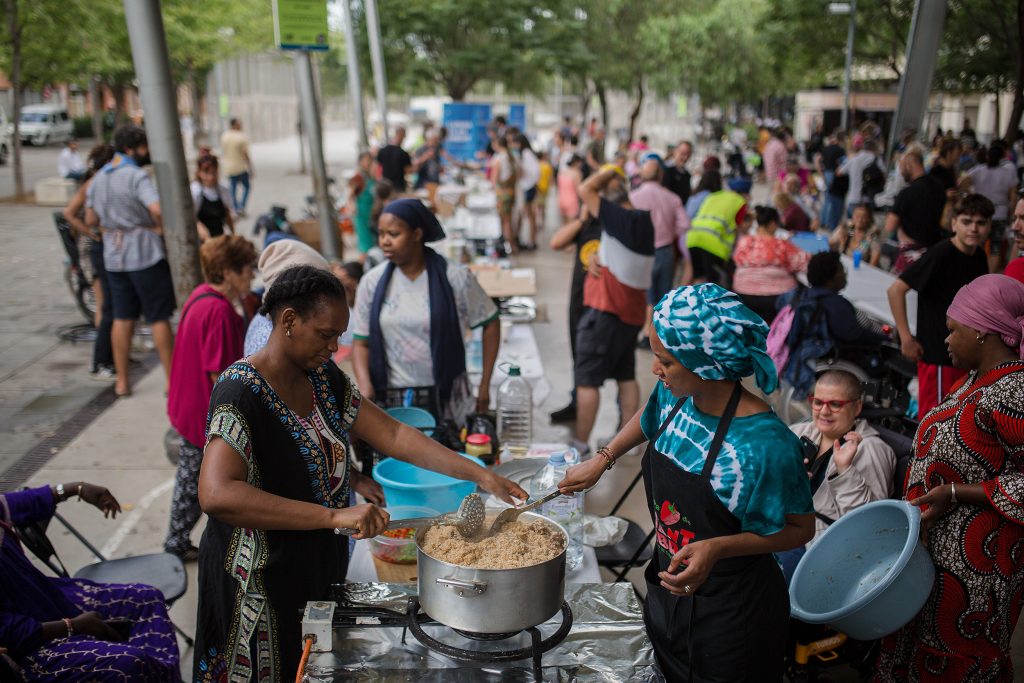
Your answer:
<point x="633" y="550"/>
<point x="163" y="571"/>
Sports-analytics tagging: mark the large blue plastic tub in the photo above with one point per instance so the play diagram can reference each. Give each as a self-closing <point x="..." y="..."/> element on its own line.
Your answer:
<point x="417" y="418"/>
<point x="868" y="575"/>
<point x="406" y="484"/>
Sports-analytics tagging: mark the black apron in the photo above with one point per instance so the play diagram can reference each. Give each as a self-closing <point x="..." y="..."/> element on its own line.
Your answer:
<point x="212" y="214"/>
<point x="734" y="627"/>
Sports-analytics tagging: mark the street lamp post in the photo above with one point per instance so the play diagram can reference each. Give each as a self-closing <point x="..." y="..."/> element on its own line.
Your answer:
<point x="849" y="8"/>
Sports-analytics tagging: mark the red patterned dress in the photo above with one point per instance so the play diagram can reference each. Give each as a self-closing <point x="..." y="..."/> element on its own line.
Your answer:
<point x="963" y="631"/>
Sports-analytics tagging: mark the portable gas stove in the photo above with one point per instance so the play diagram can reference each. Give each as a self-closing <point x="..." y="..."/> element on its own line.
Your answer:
<point x="369" y="624"/>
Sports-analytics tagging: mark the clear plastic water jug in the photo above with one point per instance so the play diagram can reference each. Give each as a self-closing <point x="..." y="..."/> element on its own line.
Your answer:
<point x="515" y="415"/>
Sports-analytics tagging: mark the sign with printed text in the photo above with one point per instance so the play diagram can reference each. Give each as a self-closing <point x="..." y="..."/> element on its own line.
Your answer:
<point x="467" y="128"/>
<point x="300" y="24"/>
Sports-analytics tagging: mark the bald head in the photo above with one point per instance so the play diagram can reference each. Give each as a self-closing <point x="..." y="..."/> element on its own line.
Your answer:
<point x="843" y="380"/>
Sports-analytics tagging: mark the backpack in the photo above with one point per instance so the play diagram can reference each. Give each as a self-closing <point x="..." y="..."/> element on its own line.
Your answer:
<point x="872" y="180"/>
<point x="778" y="333"/>
<point x="809" y="339"/>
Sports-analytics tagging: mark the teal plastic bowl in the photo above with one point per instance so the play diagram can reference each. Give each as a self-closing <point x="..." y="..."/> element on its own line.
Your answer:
<point x="417" y="418"/>
<point x="408" y="485"/>
<point x="868" y="575"/>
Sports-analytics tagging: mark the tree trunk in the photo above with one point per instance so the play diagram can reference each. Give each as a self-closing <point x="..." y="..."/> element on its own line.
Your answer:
<point x="635" y="114"/>
<point x="1013" y="123"/>
<point x="119" y="112"/>
<point x="996" y="112"/>
<point x="96" y="99"/>
<point x="14" y="31"/>
<point x="588" y="92"/>
<point x="602" y="97"/>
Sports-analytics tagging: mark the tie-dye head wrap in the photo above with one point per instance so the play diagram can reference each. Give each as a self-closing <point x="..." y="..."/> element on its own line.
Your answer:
<point x="714" y="335"/>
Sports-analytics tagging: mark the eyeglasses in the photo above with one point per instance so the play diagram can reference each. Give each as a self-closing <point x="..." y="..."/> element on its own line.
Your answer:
<point x="833" y="405"/>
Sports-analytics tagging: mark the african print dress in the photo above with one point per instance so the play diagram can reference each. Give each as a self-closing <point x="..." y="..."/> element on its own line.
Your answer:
<point x="963" y="632"/>
<point x="254" y="583"/>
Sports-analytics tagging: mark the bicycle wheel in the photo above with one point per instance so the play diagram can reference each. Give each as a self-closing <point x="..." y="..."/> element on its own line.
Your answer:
<point x="81" y="292"/>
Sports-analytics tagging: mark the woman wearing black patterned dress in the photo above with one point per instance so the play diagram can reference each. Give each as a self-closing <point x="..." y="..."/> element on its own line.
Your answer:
<point x="275" y="482"/>
<point x="968" y="476"/>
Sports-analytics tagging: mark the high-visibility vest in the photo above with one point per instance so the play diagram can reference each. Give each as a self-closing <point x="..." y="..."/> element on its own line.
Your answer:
<point x="714" y="227"/>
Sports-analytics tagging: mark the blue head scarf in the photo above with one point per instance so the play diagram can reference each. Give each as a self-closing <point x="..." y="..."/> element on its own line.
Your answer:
<point x="416" y="215"/>
<point x="714" y="335"/>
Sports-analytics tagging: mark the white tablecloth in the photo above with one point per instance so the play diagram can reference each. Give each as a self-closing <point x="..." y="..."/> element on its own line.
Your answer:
<point x="518" y="348"/>
<point x="866" y="288"/>
<point x="361" y="569"/>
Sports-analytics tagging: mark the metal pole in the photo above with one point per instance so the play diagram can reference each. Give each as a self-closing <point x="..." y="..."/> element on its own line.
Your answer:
<point x="851" y="29"/>
<point x="355" y="88"/>
<point x="330" y="240"/>
<point x="926" y="29"/>
<point x="158" y="92"/>
<point x="380" y="84"/>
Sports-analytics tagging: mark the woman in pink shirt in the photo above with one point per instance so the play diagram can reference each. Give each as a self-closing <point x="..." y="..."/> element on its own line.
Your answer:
<point x="766" y="265"/>
<point x="209" y="339"/>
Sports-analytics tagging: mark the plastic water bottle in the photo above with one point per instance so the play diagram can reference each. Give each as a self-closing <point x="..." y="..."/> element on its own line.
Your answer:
<point x="515" y="415"/>
<point x="566" y="510"/>
<point x="858" y="255"/>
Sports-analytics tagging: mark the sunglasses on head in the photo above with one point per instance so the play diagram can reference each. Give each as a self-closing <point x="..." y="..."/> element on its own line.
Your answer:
<point x="834" y="405"/>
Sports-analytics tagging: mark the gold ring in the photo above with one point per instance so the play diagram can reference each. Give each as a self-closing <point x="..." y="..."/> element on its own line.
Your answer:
<point x="687" y="588"/>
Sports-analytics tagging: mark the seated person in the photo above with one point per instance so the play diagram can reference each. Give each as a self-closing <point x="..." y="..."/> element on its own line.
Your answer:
<point x="847" y="475"/>
<point x="71" y="625"/>
<point x="822" y="300"/>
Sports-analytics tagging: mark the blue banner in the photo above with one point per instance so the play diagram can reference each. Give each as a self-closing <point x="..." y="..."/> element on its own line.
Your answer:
<point x="517" y="116"/>
<point x="467" y="129"/>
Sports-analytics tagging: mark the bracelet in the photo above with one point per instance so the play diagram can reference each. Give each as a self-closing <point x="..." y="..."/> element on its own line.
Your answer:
<point x="607" y="455"/>
<point x="71" y="627"/>
<point x="952" y="497"/>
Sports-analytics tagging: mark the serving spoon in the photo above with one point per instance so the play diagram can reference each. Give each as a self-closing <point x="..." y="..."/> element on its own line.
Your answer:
<point x="468" y="519"/>
<point x="512" y="514"/>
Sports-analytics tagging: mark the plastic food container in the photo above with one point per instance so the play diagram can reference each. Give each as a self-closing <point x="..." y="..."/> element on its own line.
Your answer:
<point x="400" y="546"/>
<point x="405" y="484"/>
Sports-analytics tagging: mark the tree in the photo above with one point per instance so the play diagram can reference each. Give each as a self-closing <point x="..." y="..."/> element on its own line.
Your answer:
<point x="982" y="38"/>
<point x="15" y="31"/>
<point x="456" y="44"/>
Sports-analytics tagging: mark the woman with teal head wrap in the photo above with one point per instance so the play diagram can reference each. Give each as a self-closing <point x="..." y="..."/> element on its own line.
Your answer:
<point x="726" y="487"/>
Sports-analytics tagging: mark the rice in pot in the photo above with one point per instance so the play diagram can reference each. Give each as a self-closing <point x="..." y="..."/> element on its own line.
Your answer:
<point x="518" y="544"/>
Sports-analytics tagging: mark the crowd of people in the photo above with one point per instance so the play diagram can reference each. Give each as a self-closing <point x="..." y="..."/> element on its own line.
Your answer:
<point x="682" y="265"/>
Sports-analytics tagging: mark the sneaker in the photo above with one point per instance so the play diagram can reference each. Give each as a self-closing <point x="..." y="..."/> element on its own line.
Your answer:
<point x="103" y="373"/>
<point x="566" y="414"/>
<point x="581" y="447"/>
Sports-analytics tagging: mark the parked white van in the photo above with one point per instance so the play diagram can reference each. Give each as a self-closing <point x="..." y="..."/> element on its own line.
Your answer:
<point x="40" y="124"/>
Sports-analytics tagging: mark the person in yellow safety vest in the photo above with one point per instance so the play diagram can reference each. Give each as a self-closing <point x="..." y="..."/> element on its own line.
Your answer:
<point x="712" y="232"/>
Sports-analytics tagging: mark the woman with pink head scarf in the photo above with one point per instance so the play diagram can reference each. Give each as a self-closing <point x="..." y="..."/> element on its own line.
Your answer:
<point x="968" y="477"/>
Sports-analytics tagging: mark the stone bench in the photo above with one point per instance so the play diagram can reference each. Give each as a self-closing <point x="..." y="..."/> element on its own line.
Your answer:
<point x="55" y="191"/>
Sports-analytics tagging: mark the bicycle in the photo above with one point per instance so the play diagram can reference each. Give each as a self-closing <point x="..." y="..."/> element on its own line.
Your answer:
<point x="75" y="278"/>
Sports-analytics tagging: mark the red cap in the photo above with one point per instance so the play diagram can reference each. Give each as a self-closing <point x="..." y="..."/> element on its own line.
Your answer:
<point x="478" y="439"/>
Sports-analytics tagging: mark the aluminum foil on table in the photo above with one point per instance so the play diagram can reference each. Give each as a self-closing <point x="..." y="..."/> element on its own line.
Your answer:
<point x="608" y="644"/>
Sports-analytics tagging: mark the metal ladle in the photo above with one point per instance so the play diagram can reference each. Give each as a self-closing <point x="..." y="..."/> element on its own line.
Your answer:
<point x="468" y="519"/>
<point x="512" y="514"/>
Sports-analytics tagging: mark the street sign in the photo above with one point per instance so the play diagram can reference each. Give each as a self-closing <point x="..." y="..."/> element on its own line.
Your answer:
<point x="467" y="128"/>
<point x="300" y="24"/>
<point x="838" y="8"/>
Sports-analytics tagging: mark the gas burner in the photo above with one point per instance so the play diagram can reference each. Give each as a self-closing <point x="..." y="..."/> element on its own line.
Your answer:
<point x="486" y="637"/>
<point x="537" y="647"/>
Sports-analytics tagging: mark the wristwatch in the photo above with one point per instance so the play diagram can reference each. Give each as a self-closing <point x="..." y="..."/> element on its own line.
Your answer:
<point x="60" y="492"/>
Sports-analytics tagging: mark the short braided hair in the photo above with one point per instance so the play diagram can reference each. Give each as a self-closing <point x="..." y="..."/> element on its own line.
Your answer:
<point x="302" y="288"/>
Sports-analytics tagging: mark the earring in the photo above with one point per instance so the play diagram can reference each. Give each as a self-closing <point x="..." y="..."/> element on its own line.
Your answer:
<point x="288" y="332"/>
<point x="980" y="339"/>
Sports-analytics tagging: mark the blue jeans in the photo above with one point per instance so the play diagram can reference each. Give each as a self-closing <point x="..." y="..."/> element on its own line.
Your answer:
<point x="788" y="560"/>
<point x="832" y="207"/>
<point x="236" y="180"/>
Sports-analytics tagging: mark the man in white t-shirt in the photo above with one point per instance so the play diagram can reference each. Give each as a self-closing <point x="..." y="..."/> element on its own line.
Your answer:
<point x="854" y="168"/>
<point x="70" y="164"/>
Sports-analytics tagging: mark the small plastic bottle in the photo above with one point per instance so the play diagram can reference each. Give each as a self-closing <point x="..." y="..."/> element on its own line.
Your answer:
<point x="566" y="510"/>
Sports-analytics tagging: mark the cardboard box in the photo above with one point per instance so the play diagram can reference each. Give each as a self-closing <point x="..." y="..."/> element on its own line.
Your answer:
<point x="308" y="231"/>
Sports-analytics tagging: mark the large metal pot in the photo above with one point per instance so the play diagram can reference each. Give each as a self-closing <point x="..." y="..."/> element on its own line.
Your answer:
<point x="491" y="600"/>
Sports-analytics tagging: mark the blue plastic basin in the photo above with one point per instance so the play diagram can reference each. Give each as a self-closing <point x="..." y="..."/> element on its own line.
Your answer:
<point x="417" y="418"/>
<point x="406" y="484"/>
<point x="868" y="575"/>
<point x="809" y="242"/>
